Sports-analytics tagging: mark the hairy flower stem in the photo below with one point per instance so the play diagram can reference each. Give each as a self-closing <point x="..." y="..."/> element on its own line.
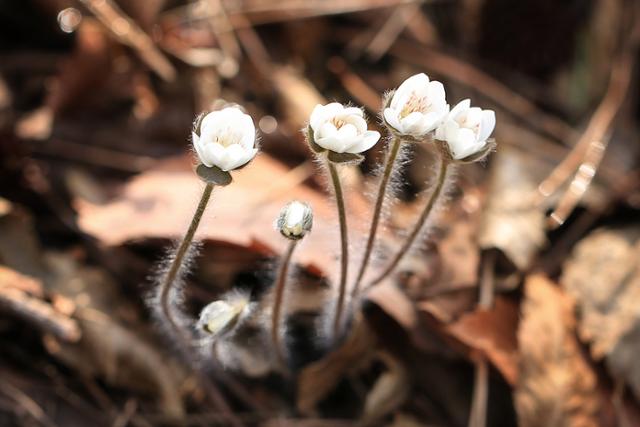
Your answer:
<point x="437" y="191"/>
<point x="344" y="240"/>
<point x="178" y="260"/>
<point x="281" y="280"/>
<point x="165" y="304"/>
<point x="377" y="211"/>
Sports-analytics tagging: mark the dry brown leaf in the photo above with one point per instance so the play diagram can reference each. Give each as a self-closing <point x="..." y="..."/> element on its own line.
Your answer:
<point x="556" y="386"/>
<point x="160" y="202"/>
<point x="603" y="275"/>
<point x="511" y="221"/>
<point x="493" y="333"/>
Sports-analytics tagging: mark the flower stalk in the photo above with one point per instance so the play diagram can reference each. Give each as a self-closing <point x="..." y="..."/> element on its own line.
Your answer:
<point x="426" y="212"/>
<point x="179" y="257"/>
<point x="277" y="304"/>
<point x="377" y="211"/>
<point x="344" y="243"/>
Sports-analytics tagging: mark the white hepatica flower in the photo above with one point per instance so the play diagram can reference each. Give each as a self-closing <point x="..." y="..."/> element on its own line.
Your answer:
<point x="466" y="129"/>
<point x="417" y="107"/>
<point x="227" y="139"/>
<point x="341" y="129"/>
<point x="295" y="220"/>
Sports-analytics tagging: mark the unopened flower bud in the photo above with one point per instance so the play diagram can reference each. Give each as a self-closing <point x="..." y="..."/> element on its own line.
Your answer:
<point x="219" y="317"/>
<point x="295" y="220"/>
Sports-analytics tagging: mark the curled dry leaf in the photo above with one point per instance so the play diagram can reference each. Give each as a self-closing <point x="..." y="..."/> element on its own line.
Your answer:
<point x="603" y="275"/>
<point x="511" y="221"/>
<point x="493" y="333"/>
<point x="556" y="386"/>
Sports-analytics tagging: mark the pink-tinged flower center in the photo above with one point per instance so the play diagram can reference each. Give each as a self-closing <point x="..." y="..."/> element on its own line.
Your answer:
<point x="414" y="104"/>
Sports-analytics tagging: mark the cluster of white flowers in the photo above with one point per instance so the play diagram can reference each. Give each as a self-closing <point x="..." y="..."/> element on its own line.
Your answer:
<point x="418" y="109"/>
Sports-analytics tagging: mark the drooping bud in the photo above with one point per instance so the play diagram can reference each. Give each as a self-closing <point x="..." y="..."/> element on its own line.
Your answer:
<point x="221" y="316"/>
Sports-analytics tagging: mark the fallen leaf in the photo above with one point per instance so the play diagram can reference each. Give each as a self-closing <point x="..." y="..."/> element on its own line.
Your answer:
<point x="160" y="202"/>
<point x="512" y="222"/>
<point x="556" y="386"/>
<point x="493" y="333"/>
<point x="603" y="275"/>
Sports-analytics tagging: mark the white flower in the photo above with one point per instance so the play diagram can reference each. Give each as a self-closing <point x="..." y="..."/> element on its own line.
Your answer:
<point x="466" y="129"/>
<point x="295" y="220"/>
<point x="417" y="107"/>
<point x="341" y="129"/>
<point x="227" y="139"/>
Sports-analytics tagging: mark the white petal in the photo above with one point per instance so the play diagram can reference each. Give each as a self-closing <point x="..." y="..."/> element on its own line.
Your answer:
<point x="327" y="129"/>
<point x="436" y="92"/>
<point x="391" y="117"/>
<point x="368" y="140"/>
<point x="407" y="87"/>
<point x="248" y="139"/>
<point x="487" y="125"/>
<point x="463" y="144"/>
<point x="213" y="154"/>
<point x="322" y="113"/>
<point x="197" y="146"/>
<point x="411" y="123"/>
<point x="332" y="143"/>
<point x="358" y="121"/>
<point x="460" y="107"/>
<point x="347" y="132"/>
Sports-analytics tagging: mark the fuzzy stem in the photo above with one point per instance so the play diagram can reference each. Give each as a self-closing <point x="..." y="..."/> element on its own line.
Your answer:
<point x="178" y="259"/>
<point x="377" y="211"/>
<point x="344" y="240"/>
<point x="165" y="304"/>
<point x="281" y="280"/>
<point x="441" y="179"/>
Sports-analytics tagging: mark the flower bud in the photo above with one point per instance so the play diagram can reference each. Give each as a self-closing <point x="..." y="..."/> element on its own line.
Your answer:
<point x="295" y="220"/>
<point x="220" y="317"/>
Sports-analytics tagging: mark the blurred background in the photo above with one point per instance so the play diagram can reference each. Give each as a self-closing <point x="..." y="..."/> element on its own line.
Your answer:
<point x="520" y="309"/>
